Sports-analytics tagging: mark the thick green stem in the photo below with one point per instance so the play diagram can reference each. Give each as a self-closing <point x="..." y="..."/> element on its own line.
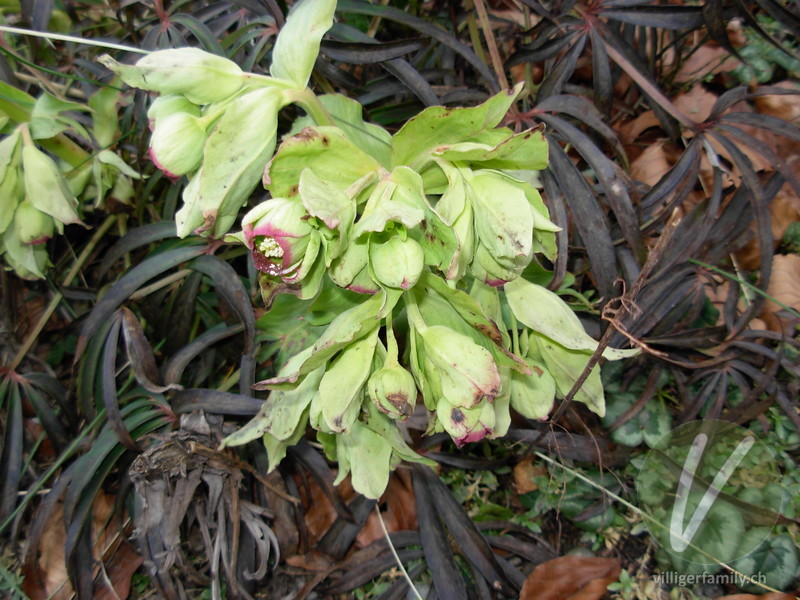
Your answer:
<point x="311" y="104"/>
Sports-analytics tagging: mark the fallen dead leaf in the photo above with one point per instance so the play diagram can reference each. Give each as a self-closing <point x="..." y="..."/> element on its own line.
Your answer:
<point x="784" y="286"/>
<point x="708" y="60"/>
<point x="399" y="512"/>
<point x="525" y="472"/>
<point x="571" y="578"/>
<point x="784" y="210"/>
<point x="783" y="107"/>
<point x="651" y="164"/>
<point x="118" y="572"/>
<point x="48" y="578"/>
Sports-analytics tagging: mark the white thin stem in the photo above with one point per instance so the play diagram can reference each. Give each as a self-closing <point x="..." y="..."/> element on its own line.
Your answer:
<point x="394" y="553"/>
<point x="70" y="38"/>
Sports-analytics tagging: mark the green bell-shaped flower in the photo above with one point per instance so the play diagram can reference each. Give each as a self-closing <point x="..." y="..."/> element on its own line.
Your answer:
<point x="396" y="263"/>
<point x="201" y="77"/>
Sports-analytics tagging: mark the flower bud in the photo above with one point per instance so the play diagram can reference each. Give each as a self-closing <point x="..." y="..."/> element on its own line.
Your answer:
<point x="277" y="233"/>
<point x="396" y="263"/>
<point x="176" y="146"/>
<point x="351" y="269"/>
<point x="46" y="187"/>
<point x="164" y="106"/>
<point x="393" y="391"/>
<point x="466" y="425"/>
<point x="32" y="226"/>
<point x="201" y="77"/>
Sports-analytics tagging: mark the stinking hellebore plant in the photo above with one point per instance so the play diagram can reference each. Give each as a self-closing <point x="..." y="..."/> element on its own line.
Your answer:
<point x="423" y="236"/>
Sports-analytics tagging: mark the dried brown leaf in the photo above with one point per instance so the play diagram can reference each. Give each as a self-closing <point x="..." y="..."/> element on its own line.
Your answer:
<point x="571" y="578"/>
<point x="784" y="286"/>
<point x="525" y="472"/>
<point x="651" y="164"/>
<point x="783" y="107"/>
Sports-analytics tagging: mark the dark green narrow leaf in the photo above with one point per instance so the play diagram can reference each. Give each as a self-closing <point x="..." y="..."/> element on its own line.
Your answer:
<point x="130" y="282"/>
<point x="761" y="214"/>
<point x="589" y="219"/>
<point x="11" y="465"/>
<point x="680" y="179"/>
<point x="87" y="386"/>
<point x="175" y="325"/>
<point x="200" y="31"/>
<point x="601" y="74"/>
<point x="173" y="370"/>
<point x="773" y="124"/>
<point x="48" y="417"/>
<point x="558" y="214"/>
<point x="39" y="13"/>
<point x="413" y="80"/>
<point x="216" y="402"/>
<point x="364" y="571"/>
<point x="365" y="53"/>
<point x="136" y="238"/>
<point x="540" y="52"/>
<point x="230" y="287"/>
<point x="636" y="67"/>
<point x="613" y="181"/>
<point x="746" y="140"/>
<point x="742" y="93"/>
<point x="660" y="17"/>
<point x="109" y="385"/>
<point x="715" y="20"/>
<point x="446" y="576"/>
<point x="340" y="536"/>
<point x="424" y="27"/>
<point x="554" y="80"/>
<point x="470" y="541"/>
<point x="783" y="15"/>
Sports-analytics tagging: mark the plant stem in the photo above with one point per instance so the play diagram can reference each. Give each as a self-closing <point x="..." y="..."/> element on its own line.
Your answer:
<point x="70" y="38"/>
<point x="312" y="105"/>
<point x="51" y="308"/>
<point x="396" y="556"/>
<point x="491" y="43"/>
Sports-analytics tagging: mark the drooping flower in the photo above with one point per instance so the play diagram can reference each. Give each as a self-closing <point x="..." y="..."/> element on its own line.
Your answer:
<point x="278" y="235"/>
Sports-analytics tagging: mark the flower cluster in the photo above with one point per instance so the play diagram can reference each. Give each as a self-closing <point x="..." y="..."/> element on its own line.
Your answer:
<point x="218" y="125"/>
<point x="36" y="201"/>
<point x="412" y="248"/>
<point x="40" y="194"/>
<point x="432" y="230"/>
